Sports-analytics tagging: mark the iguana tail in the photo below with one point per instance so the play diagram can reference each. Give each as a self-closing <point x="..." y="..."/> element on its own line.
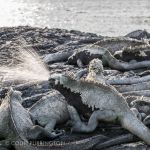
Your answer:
<point x="135" y="126"/>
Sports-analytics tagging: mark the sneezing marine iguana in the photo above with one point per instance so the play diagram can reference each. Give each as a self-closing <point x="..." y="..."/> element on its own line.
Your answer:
<point x="107" y="105"/>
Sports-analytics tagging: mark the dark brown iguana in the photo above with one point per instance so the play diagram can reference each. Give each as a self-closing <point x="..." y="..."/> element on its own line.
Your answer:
<point x="107" y="105"/>
<point x="84" y="55"/>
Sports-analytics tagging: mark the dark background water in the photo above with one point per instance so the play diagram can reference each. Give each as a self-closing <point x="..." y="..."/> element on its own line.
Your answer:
<point x="106" y="17"/>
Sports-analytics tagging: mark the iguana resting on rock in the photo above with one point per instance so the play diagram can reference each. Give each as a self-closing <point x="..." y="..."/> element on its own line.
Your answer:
<point x="57" y="57"/>
<point x="106" y="103"/>
<point x="134" y="87"/>
<point x="95" y="70"/>
<point x="117" y="43"/>
<point x="121" y="65"/>
<point x="145" y="93"/>
<point x="50" y="110"/>
<point x="16" y="127"/>
<point x="11" y="107"/>
<point x="138" y="53"/>
<point x="84" y="55"/>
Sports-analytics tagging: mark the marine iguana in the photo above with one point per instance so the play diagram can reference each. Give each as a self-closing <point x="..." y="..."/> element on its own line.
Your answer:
<point x="57" y="57"/>
<point x="50" y="110"/>
<point x="117" y="43"/>
<point x="107" y="105"/>
<point x="84" y="55"/>
<point x="17" y="128"/>
<point x="122" y="66"/>
<point x="138" y="53"/>
<point x="11" y="106"/>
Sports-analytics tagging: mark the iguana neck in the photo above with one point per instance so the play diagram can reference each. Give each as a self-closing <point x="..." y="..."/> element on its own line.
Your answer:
<point x="73" y="85"/>
<point x="93" y="76"/>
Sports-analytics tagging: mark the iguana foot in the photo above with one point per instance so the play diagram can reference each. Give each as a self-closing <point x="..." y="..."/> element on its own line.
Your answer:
<point x="79" y="126"/>
<point x="39" y="133"/>
<point x="57" y="133"/>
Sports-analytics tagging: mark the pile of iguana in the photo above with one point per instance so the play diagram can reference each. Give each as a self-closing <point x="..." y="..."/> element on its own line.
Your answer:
<point x="107" y="105"/>
<point x="14" y="117"/>
<point x="17" y="128"/>
<point x="84" y="54"/>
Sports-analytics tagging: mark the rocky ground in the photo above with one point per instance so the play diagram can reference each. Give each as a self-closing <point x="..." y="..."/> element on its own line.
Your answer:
<point x="47" y="41"/>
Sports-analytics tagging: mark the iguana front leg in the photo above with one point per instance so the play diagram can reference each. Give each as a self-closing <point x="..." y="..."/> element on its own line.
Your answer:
<point x="50" y="126"/>
<point x="48" y="130"/>
<point x="39" y="133"/>
<point x="79" y="126"/>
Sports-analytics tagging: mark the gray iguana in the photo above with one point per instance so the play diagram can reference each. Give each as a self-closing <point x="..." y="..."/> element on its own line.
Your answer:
<point x="114" y="44"/>
<point x="16" y="129"/>
<point x="50" y="110"/>
<point x="11" y="107"/>
<point x="107" y="105"/>
<point x="137" y="53"/>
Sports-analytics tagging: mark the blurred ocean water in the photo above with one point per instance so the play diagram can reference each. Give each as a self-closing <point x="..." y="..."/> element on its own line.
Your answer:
<point x="104" y="17"/>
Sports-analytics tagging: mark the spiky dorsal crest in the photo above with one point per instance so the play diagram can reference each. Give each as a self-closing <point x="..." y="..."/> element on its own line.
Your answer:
<point x="71" y="76"/>
<point x="87" y="88"/>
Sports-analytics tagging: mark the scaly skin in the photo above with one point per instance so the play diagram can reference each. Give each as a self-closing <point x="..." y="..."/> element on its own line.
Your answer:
<point x="108" y="104"/>
<point x="84" y="55"/>
<point x="57" y="57"/>
<point x="121" y="65"/>
<point x="138" y="53"/>
<point x="19" y="128"/>
<point x="50" y="110"/>
<point x="11" y="107"/>
<point x="117" y="43"/>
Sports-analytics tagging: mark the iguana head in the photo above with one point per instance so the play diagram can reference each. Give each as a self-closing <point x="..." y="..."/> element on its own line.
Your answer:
<point x="96" y="66"/>
<point x="58" y="79"/>
<point x="15" y="95"/>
